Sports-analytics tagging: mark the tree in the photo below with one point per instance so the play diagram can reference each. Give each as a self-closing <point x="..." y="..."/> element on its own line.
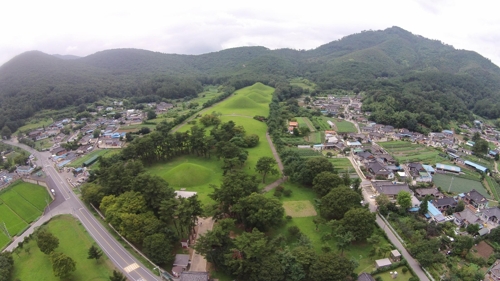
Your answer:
<point x="382" y="200"/>
<point x="251" y="140"/>
<point x="460" y="206"/>
<point x="151" y="114"/>
<point x="472" y="228"/>
<point x="266" y="165"/>
<point x="46" y="241"/>
<point x="258" y="211"/>
<point x="331" y="267"/>
<point x="215" y="243"/>
<point x="324" y="182"/>
<point x="360" y="222"/>
<point x="94" y="253"/>
<point x="158" y="248"/>
<point x="235" y="185"/>
<point x="462" y="245"/>
<point x="424" y="206"/>
<point x="344" y="240"/>
<point x="6" y="266"/>
<point x="338" y="201"/>
<point x="404" y="199"/>
<point x="96" y="133"/>
<point x="117" y="276"/>
<point x="495" y="235"/>
<point x="305" y="131"/>
<point x="6" y="132"/>
<point x="62" y="265"/>
<point x="93" y="193"/>
<point x="312" y="167"/>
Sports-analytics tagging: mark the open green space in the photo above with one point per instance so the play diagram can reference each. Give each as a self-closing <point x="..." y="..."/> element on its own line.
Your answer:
<point x="386" y="276"/>
<point x="404" y="151"/>
<point x="135" y="127"/>
<point x="494" y="186"/>
<point x="43" y="144"/>
<point x="249" y="101"/>
<point x="341" y="126"/>
<point x="459" y="185"/>
<point x="342" y="165"/>
<point x="20" y="204"/>
<point x="357" y="251"/>
<point x="79" y="161"/>
<point x="36" y="266"/>
<point x="35" y="124"/>
<point x="303" y="83"/>
<point x="195" y="174"/>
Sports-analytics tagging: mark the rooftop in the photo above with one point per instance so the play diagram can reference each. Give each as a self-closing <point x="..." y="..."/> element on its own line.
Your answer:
<point x="448" y="167"/>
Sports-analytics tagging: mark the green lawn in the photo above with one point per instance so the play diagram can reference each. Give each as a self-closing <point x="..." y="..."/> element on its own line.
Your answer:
<point x="34" y="124"/>
<point x="342" y="165"/>
<point x="459" y="185"/>
<point x="79" y="161"/>
<point x="303" y="83"/>
<point x="44" y="144"/>
<point x="74" y="241"/>
<point x="386" y="276"/>
<point x="131" y="128"/>
<point x="495" y="188"/>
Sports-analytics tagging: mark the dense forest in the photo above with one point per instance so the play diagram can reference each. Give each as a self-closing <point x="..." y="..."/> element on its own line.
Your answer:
<point x="408" y="80"/>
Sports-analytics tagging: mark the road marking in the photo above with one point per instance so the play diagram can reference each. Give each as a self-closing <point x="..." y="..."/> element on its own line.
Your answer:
<point x="131" y="267"/>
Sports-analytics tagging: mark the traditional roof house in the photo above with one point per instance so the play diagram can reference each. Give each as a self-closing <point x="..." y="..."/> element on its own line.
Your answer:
<point x="476" y="199"/>
<point x="434" y="192"/>
<point x="467" y="217"/>
<point x="491" y="214"/>
<point x="365" y="277"/>
<point x="389" y="188"/>
<point x="444" y="203"/>
<point x="379" y="170"/>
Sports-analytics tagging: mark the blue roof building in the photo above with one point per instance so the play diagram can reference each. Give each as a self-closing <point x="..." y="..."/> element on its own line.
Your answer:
<point x="434" y="212"/>
<point x="448" y="168"/>
<point x="429" y="169"/>
<point x="476" y="166"/>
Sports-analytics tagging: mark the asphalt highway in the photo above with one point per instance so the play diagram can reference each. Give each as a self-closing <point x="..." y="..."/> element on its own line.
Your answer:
<point x="66" y="202"/>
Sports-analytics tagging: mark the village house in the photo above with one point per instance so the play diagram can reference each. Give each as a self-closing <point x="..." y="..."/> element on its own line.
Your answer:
<point x="292" y="125"/>
<point x="445" y="203"/>
<point x="476" y="199"/>
<point x="433" y="192"/>
<point x="467" y="217"/>
<point x="379" y="170"/>
<point x="491" y="215"/>
<point x="389" y="188"/>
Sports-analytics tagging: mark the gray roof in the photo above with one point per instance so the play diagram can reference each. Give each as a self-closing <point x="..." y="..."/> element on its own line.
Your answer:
<point x="365" y="277"/>
<point x="194" y="276"/>
<point x="389" y="188"/>
<point x="446" y="201"/>
<point x="383" y="262"/>
<point x="468" y="216"/>
<point x="181" y="260"/>
<point x="492" y="212"/>
<point x="427" y="191"/>
<point x="483" y="231"/>
<point x="475" y="196"/>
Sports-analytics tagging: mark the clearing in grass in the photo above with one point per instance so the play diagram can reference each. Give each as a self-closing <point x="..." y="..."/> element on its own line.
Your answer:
<point x="459" y="185"/>
<point x="404" y="151"/>
<point x="79" y="162"/>
<point x="34" y="265"/>
<point x="298" y="209"/>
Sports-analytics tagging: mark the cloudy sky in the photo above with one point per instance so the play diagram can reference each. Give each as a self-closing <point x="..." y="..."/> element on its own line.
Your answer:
<point x="194" y="27"/>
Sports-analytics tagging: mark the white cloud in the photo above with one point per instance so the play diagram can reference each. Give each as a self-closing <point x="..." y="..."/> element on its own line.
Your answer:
<point x="194" y="27"/>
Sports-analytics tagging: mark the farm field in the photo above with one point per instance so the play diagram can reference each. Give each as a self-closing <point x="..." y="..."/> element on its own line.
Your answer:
<point x="459" y="185"/>
<point x="495" y="188"/>
<point x="342" y="126"/>
<point x="34" y="124"/>
<point x="36" y="266"/>
<point x="20" y="204"/>
<point x="131" y="128"/>
<point x="342" y="165"/>
<point x="404" y="151"/>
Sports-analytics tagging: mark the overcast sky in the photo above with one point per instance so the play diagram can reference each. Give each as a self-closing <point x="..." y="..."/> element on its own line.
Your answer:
<point x="194" y="27"/>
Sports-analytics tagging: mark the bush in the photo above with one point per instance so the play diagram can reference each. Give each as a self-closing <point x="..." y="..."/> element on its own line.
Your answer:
<point x="293" y="230"/>
<point x="405" y="269"/>
<point x="280" y="188"/>
<point x="413" y="279"/>
<point x="288" y="218"/>
<point x="287" y="193"/>
<point x="378" y="278"/>
<point x="277" y="193"/>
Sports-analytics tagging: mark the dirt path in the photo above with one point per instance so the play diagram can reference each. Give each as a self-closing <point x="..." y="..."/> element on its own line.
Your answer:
<point x="198" y="262"/>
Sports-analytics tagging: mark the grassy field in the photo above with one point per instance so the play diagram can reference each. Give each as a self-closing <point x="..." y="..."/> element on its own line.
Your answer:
<point x="79" y="161"/>
<point x="249" y="101"/>
<point x="20" y="204"/>
<point x="43" y="144"/>
<point x="404" y="151"/>
<point x="459" y="185"/>
<point x="341" y="126"/>
<point x="131" y="128"/>
<point x="303" y="83"/>
<point x="34" y="124"/>
<point x="36" y="266"/>
<point x="386" y="276"/>
<point x="494" y="186"/>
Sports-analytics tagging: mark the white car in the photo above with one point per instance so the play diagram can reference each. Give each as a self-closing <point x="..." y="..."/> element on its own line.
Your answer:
<point x="53" y="191"/>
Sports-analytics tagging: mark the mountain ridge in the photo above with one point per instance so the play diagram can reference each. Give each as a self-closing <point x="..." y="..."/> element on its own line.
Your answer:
<point x="358" y="62"/>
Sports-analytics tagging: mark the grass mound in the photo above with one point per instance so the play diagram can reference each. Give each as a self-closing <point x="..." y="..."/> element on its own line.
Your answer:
<point x="258" y="97"/>
<point x="188" y="175"/>
<point x="241" y="102"/>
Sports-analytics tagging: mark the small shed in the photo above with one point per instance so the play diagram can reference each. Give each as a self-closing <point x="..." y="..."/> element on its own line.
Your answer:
<point x="182" y="261"/>
<point x="483" y="231"/>
<point x="395" y="255"/>
<point x="382" y="263"/>
<point x="177" y="270"/>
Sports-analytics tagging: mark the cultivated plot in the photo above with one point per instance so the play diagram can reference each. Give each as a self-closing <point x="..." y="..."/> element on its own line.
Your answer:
<point x="404" y="151"/>
<point x="459" y="185"/>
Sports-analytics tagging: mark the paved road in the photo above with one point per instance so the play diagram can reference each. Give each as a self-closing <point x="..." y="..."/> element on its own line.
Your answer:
<point x="198" y="262"/>
<point x="67" y="202"/>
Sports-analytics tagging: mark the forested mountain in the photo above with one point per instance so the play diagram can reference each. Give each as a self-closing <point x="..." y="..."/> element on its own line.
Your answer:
<point x="408" y="80"/>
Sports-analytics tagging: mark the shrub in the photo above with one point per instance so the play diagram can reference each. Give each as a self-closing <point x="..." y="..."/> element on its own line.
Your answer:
<point x="293" y="230"/>
<point x="287" y="193"/>
<point x="378" y="278"/>
<point x="288" y="218"/>
<point x="280" y="188"/>
<point x="278" y="193"/>
<point x="405" y="269"/>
